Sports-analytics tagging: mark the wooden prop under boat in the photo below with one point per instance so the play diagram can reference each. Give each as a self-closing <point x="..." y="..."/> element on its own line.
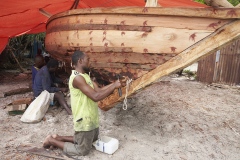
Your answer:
<point x="141" y="43"/>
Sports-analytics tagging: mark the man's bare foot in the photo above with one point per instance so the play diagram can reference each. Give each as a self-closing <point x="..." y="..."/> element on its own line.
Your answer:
<point x="46" y="143"/>
<point x="57" y="137"/>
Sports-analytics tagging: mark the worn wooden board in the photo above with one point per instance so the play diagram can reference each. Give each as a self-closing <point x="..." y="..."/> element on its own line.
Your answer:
<point x="16" y="107"/>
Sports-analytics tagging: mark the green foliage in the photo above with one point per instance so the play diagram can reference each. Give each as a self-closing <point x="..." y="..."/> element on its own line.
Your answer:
<point x="22" y="44"/>
<point x="200" y="1"/>
<point x="190" y="74"/>
<point x="234" y="2"/>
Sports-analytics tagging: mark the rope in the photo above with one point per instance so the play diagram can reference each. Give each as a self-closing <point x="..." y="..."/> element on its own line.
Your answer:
<point x="125" y="98"/>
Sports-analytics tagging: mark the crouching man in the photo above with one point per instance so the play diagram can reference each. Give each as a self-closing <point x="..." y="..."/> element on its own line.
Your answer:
<point x="84" y="97"/>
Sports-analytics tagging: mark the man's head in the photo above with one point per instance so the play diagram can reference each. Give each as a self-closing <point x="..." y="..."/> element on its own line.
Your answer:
<point x="39" y="61"/>
<point x="52" y="65"/>
<point x="80" y="59"/>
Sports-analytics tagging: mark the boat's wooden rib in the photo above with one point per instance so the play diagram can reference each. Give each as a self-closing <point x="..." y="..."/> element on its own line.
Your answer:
<point x="223" y="36"/>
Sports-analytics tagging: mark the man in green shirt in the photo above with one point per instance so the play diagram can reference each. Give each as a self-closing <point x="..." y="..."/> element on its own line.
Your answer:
<point x="84" y="97"/>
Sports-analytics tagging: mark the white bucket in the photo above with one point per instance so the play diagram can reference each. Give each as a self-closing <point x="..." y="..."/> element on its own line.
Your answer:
<point x="106" y="144"/>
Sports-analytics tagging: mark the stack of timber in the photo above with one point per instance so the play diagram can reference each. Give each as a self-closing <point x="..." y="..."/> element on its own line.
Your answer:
<point x="143" y="43"/>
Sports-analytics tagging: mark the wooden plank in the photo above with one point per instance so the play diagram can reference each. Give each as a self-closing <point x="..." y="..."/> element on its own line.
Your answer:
<point x="132" y="23"/>
<point x="16" y="107"/>
<point x="123" y="65"/>
<point x="109" y="74"/>
<point x="64" y="49"/>
<point x="132" y="58"/>
<point x="166" y="40"/>
<point x="222" y="37"/>
<point x="110" y="57"/>
<point x="223" y="13"/>
<point x="73" y="26"/>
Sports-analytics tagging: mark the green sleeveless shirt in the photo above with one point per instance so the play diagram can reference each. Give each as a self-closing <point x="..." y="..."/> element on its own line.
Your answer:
<point x="84" y="110"/>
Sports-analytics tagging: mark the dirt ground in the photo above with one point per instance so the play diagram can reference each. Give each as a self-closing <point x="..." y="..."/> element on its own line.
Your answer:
<point x="174" y="118"/>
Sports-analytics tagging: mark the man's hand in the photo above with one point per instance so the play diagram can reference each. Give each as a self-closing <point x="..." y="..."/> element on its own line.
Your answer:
<point x="121" y="83"/>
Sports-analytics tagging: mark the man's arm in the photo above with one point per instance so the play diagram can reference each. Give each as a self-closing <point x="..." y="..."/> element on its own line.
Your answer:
<point x="96" y="95"/>
<point x="96" y="88"/>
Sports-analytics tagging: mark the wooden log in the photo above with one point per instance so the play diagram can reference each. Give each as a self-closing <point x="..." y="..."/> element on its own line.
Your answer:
<point x="223" y="36"/>
<point x="222" y="13"/>
<point x="22" y="101"/>
<point x="17" y="91"/>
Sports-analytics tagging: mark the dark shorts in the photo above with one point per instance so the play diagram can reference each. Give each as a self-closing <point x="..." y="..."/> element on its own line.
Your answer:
<point x="82" y="143"/>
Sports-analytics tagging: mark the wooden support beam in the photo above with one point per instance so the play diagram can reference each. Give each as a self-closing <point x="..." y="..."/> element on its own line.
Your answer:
<point x="213" y="42"/>
<point x="20" y="67"/>
<point x="45" y="13"/>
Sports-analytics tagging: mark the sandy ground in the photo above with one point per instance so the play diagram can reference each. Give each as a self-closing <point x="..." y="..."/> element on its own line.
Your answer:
<point x="172" y="119"/>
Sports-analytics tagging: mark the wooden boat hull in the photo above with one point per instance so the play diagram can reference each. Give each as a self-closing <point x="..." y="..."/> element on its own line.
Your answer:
<point x="135" y="41"/>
